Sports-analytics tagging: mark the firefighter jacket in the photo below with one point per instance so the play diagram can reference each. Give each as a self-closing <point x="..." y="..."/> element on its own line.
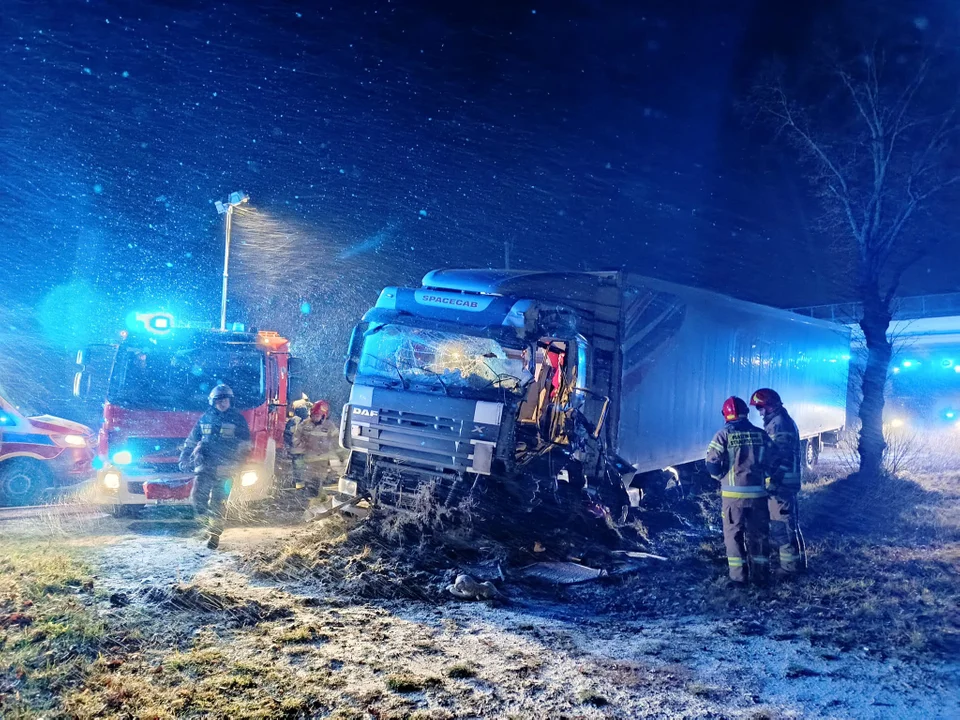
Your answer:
<point x="739" y="456"/>
<point x="316" y="441"/>
<point x="218" y="438"/>
<point x="288" y="435"/>
<point x="788" y="453"/>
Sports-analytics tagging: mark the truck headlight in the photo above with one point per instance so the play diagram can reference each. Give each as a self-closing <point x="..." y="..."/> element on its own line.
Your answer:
<point x="124" y="457"/>
<point x="78" y="441"/>
<point x="248" y="478"/>
<point x="111" y="481"/>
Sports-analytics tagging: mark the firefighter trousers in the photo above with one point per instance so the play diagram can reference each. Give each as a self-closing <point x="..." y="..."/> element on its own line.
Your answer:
<point x="784" y="533"/>
<point x="745" y="530"/>
<point x="210" y="499"/>
<point x="319" y="472"/>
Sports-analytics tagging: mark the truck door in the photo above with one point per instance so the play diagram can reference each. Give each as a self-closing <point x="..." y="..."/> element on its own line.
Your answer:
<point x="92" y="380"/>
<point x="276" y="400"/>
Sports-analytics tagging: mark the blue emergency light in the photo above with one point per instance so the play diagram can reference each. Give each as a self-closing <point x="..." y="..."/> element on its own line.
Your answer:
<point x="158" y="323"/>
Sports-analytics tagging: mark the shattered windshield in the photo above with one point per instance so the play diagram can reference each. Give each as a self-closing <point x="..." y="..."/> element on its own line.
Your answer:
<point x="158" y="378"/>
<point x="442" y="361"/>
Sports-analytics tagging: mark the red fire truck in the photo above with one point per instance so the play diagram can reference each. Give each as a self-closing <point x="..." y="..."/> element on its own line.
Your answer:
<point x="156" y="382"/>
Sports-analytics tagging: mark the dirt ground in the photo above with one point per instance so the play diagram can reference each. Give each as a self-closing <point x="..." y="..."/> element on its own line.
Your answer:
<point x="325" y="621"/>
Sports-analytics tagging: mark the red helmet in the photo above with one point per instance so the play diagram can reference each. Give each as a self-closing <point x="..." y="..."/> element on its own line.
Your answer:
<point x="734" y="407"/>
<point x="320" y="411"/>
<point x="765" y="397"/>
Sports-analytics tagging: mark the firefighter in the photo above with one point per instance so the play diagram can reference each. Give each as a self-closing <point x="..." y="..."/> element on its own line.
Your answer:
<point x="738" y="456"/>
<point x="301" y="411"/>
<point x="215" y="447"/>
<point x="784" y="481"/>
<point x="317" y="439"/>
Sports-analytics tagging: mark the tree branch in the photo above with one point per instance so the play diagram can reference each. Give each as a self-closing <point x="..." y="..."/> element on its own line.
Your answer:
<point x="845" y="78"/>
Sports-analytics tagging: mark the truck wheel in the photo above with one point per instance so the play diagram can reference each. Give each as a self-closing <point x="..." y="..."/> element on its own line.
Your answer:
<point x="23" y="481"/>
<point x="811" y="453"/>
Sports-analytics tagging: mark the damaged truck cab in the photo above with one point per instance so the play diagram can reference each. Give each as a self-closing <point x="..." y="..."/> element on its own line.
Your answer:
<point x="458" y="382"/>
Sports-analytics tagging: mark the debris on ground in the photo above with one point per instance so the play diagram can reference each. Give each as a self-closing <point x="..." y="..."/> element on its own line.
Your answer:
<point x="466" y="588"/>
<point x="560" y="573"/>
<point x="639" y="555"/>
<point x="419" y="554"/>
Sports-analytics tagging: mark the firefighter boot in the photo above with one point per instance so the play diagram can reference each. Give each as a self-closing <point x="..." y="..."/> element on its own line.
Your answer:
<point x="213" y="540"/>
<point x="215" y="529"/>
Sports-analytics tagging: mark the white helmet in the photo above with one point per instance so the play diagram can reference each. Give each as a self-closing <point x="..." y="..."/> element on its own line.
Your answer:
<point x="220" y="392"/>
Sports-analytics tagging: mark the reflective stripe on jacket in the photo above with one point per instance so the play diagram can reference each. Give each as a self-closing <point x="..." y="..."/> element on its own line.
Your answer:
<point x="739" y="456"/>
<point x="225" y="439"/>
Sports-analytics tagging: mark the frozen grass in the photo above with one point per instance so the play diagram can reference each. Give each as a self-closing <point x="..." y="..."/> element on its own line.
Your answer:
<point x="50" y="636"/>
<point x="884" y="558"/>
<point x="331" y="632"/>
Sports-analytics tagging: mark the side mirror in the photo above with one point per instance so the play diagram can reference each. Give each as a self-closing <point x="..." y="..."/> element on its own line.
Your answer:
<point x="81" y="383"/>
<point x="95" y="364"/>
<point x="295" y="379"/>
<point x="354" y="350"/>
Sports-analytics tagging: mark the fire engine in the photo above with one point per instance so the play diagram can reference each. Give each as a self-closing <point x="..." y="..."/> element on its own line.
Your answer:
<point x="155" y="383"/>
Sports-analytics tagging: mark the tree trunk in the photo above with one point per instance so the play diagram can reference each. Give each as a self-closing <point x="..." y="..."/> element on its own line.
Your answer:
<point x="875" y="322"/>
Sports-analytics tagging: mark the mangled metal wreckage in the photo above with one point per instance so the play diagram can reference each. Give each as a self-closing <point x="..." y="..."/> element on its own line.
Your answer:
<point x="540" y="387"/>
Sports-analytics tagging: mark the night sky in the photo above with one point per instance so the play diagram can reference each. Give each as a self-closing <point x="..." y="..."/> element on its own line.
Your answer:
<point x="380" y="139"/>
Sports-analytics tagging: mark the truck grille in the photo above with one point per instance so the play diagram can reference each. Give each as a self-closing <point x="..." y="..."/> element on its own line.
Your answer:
<point x="159" y="467"/>
<point x="421" y="439"/>
<point x="147" y="447"/>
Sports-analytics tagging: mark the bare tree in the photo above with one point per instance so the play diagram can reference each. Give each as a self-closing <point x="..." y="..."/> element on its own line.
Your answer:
<point x="876" y="132"/>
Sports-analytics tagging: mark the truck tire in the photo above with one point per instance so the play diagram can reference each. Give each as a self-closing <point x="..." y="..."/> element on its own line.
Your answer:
<point x="23" y="482"/>
<point x="811" y="454"/>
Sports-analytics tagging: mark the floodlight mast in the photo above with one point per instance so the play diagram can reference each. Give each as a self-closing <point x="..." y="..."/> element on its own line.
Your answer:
<point x="235" y="199"/>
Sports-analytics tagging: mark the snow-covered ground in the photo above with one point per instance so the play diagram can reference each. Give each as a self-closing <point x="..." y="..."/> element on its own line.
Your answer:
<point x="537" y="660"/>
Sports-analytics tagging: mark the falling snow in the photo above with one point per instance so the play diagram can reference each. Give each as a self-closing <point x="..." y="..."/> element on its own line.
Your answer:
<point x="374" y="146"/>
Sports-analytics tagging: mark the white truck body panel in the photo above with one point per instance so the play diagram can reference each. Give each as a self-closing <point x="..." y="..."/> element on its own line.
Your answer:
<point x="686" y="350"/>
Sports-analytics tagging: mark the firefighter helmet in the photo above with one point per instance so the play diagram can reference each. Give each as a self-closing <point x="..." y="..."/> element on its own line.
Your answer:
<point x="320" y="411"/>
<point x="220" y="392"/>
<point x="734" y="407"/>
<point x="765" y="397"/>
<point x="301" y="407"/>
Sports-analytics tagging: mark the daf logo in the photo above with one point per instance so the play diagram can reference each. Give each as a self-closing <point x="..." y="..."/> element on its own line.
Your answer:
<point x="478" y="429"/>
<point x="365" y="413"/>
